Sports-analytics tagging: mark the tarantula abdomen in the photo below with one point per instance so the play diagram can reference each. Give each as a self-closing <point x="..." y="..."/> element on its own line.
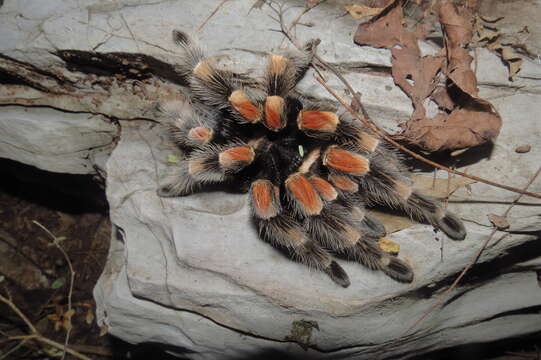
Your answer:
<point x="308" y="171"/>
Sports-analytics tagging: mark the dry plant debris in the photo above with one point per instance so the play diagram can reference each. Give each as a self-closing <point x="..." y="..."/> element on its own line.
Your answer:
<point x="489" y="36"/>
<point x="446" y="78"/>
<point x="360" y="11"/>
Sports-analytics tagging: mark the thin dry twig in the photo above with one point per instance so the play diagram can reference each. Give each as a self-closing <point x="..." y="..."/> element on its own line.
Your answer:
<point x="72" y="279"/>
<point x="211" y="15"/>
<point x="307" y="8"/>
<point x="441" y="298"/>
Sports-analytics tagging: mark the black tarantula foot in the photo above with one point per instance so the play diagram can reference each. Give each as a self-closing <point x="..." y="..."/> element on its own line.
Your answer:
<point x="451" y="225"/>
<point x="308" y="171"/>
<point x="397" y="269"/>
<point x="166" y="191"/>
<point x="337" y="274"/>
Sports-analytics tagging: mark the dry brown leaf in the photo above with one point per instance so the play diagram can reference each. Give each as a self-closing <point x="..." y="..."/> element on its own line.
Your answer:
<point x="513" y="60"/>
<point x="457" y="23"/>
<point x="489" y="37"/>
<point x="61" y="319"/>
<point x="461" y="129"/>
<point x="460" y="72"/>
<point x="421" y="71"/>
<point x="442" y="98"/>
<point x="384" y="30"/>
<point x="489" y="19"/>
<point x="468" y="120"/>
<point x="439" y="188"/>
<point x="485" y="33"/>
<point x="361" y="11"/>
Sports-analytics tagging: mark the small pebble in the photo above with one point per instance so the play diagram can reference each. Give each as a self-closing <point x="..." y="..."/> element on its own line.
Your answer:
<point x="523" y="149"/>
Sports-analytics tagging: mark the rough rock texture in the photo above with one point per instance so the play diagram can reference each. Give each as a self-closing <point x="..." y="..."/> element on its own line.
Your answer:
<point x="191" y="272"/>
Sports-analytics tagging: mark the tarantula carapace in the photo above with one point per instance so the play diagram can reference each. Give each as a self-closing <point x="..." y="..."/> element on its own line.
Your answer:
<point x="308" y="171"/>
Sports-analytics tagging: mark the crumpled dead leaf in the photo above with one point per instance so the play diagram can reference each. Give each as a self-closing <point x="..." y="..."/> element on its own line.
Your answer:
<point x="442" y="98"/>
<point x="420" y="71"/>
<point x="465" y="120"/>
<point x="461" y="129"/>
<point x="383" y="30"/>
<point x="361" y="11"/>
<point x="61" y="319"/>
<point x="490" y="37"/>
<point x="509" y="55"/>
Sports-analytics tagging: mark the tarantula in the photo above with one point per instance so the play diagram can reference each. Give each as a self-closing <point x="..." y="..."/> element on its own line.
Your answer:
<point x="309" y="172"/>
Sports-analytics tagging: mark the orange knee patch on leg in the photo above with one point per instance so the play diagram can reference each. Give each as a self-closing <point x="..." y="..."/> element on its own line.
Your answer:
<point x="325" y="189"/>
<point x="344" y="183"/>
<point x="201" y="134"/>
<point x="265" y="199"/>
<point x="236" y="157"/>
<point x="346" y="161"/>
<point x="274" y="110"/>
<point x="243" y="104"/>
<point x="323" y="121"/>
<point x="304" y="193"/>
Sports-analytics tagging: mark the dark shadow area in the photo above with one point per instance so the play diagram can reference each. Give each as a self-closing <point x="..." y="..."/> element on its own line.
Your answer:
<point x="122" y="351"/>
<point x="524" y="347"/>
<point x="467" y="158"/>
<point x="271" y="354"/>
<point x="126" y="65"/>
<point x="484" y="272"/>
<point x="74" y="194"/>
